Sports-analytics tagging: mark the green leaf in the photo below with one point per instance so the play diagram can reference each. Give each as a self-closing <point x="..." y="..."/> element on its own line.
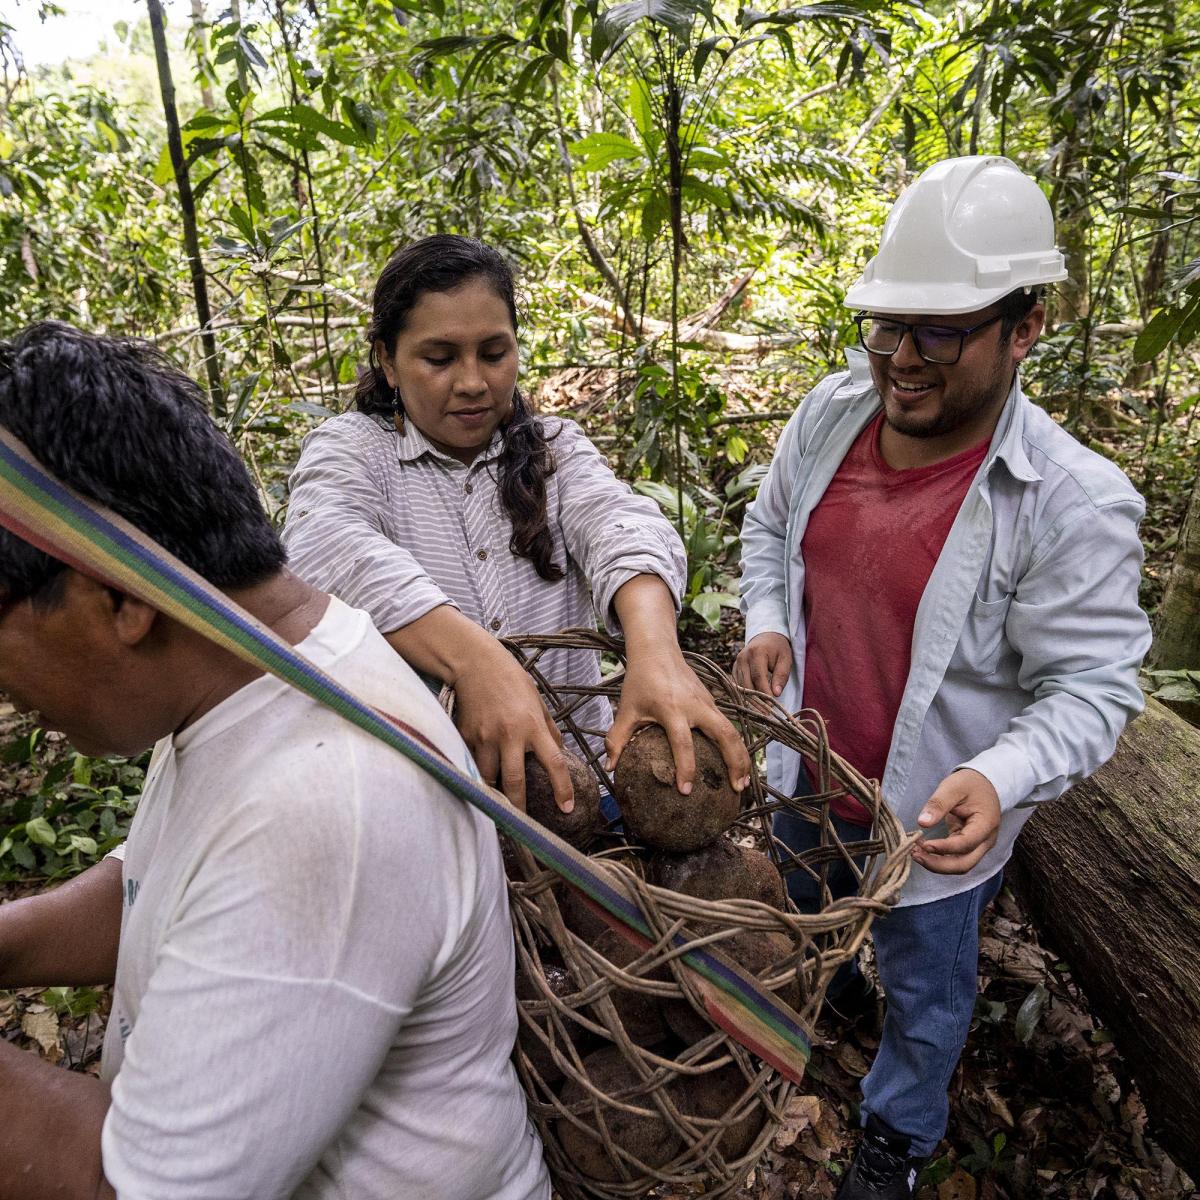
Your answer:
<point x="1190" y="324"/>
<point x="204" y="120"/>
<point x="709" y="605"/>
<point x="1160" y="330"/>
<point x="241" y="219"/>
<point x="40" y="830"/>
<point x="307" y="117"/>
<point x="251" y="54"/>
<point x="667" y="498"/>
<point x="1030" y="1013"/>
<point x="600" y="149"/>
<point x="85" y="845"/>
<point x="164" y="172"/>
<point x="640" y="108"/>
<point x="617" y="23"/>
<point x="5" y="845"/>
<point x="534" y="72"/>
<point x="718" y="197"/>
<point x="361" y="118"/>
<point x="1179" y="690"/>
<point x="746" y="480"/>
<point x="654" y="215"/>
<point x="706" y="156"/>
<point x="294" y="136"/>
<point x="1141" y="210"/>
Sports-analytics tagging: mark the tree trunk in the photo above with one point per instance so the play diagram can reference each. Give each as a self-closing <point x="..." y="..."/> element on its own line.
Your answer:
<point x="203" y="70"/>
<point x="1177" y="629"/>
<point x="187" y="207"/>
<point x="1111" y="875"/>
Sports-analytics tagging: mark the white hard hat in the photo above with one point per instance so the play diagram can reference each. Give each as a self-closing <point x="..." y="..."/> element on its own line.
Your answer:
<point x="966" y="233"/>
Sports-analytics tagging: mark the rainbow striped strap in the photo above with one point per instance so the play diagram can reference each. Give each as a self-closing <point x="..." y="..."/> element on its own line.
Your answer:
<point x="40" y="509"/>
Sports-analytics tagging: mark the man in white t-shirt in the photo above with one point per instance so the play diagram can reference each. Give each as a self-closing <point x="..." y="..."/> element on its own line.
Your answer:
<point x="308" y="936"/>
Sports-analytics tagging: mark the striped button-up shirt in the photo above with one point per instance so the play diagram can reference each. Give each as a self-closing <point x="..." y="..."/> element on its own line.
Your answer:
<point x="392" y="525"/>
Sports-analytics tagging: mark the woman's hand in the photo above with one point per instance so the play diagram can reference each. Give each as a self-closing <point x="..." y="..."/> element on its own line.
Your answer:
<point x="661" y="689"/>
<point x="498" y="709"/>
<point x="501" y="717"/>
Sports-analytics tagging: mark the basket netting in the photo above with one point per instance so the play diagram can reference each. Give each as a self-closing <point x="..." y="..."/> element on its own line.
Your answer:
<point x="690" y="1108"/>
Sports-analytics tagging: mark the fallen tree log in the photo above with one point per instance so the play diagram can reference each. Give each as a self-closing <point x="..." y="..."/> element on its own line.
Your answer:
<point x="713" y="339"/>
<point x="1110" y="874"/>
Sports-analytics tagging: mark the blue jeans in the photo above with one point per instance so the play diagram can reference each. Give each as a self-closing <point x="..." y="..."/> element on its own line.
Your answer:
<point x="928" y="959"/>
<point x="800" y="835"/>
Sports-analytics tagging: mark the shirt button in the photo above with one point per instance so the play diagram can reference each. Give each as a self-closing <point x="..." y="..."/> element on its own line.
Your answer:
<point x="481" y="554"/>
<point x="468" y="488"/>
<point x="496" y="622"/>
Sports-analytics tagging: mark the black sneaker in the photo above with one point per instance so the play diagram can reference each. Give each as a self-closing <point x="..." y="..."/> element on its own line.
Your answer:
<point x="882" y="1169"/>
<point x="858" y="999"/>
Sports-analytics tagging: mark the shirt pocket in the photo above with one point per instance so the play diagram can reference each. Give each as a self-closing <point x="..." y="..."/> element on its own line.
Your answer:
<point x="983" y="648"/>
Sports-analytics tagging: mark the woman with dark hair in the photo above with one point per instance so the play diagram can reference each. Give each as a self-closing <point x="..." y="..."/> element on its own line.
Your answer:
<point x="452" y="513"/>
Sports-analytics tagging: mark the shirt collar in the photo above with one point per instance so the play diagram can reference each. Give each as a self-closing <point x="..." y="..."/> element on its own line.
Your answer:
<point x="1008" y="443"/>
<point x="414" y="445"/>
<point x="860" y="367"/>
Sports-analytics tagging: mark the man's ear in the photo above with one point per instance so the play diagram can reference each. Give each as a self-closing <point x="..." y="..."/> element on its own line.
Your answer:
<point x="1027" y="332"/>
<point x="132" y="618"/>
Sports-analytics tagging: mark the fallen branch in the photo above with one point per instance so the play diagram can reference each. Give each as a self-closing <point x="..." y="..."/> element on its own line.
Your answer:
<point x="171" y="335"/>
<point x="706" y="318"/>
<point x="713" y="339"/>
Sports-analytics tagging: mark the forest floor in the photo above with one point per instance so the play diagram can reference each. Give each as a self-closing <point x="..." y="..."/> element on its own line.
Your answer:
<point x="1041" y="1104"/>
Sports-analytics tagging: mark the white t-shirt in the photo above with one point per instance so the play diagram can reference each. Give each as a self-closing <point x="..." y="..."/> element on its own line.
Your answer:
<point x="314" y="991"/>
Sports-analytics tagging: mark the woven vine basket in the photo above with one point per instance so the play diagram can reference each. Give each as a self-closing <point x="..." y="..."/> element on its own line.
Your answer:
<point x="629" y="1083"/>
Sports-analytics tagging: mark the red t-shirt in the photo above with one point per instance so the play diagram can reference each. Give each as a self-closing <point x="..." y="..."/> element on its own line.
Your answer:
<point x="869" y="548"/>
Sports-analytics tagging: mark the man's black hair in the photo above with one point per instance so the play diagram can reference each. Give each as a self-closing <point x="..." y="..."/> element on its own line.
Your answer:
<point x="1014" y="308"/>
<point x="122" y="424"/>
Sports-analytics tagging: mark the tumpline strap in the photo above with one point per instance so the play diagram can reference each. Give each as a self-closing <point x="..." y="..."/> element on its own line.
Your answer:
<point x="38" y="508"/>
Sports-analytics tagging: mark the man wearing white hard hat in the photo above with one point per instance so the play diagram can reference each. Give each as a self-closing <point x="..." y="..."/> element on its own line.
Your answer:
<point x="950" y="579"/>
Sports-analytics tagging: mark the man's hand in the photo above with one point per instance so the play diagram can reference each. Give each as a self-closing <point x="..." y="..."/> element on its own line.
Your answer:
<point x="661" y="689"/>
<point x="970" y="807"/>
<point x="764" y="663"/>
<point x="499" y="711"/>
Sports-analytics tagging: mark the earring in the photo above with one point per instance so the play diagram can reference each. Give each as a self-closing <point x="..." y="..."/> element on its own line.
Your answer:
<point x="398" y="411"/>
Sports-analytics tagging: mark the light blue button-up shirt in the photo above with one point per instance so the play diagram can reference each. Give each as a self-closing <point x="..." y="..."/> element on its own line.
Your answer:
<point x="1028" y="636"/>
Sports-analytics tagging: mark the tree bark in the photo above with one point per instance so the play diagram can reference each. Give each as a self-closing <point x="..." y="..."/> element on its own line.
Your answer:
<point x="1177" y="629"/>
<point x="187" y="205"/>
<point x="1111" y="875"/>
<point x="203" y="70"/>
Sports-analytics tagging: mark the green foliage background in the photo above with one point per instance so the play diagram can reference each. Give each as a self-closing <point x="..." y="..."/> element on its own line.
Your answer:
<point x="639" y="156"/>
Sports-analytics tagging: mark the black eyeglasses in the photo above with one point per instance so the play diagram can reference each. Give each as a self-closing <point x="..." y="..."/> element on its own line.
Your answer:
<point x="941" y="344"/>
